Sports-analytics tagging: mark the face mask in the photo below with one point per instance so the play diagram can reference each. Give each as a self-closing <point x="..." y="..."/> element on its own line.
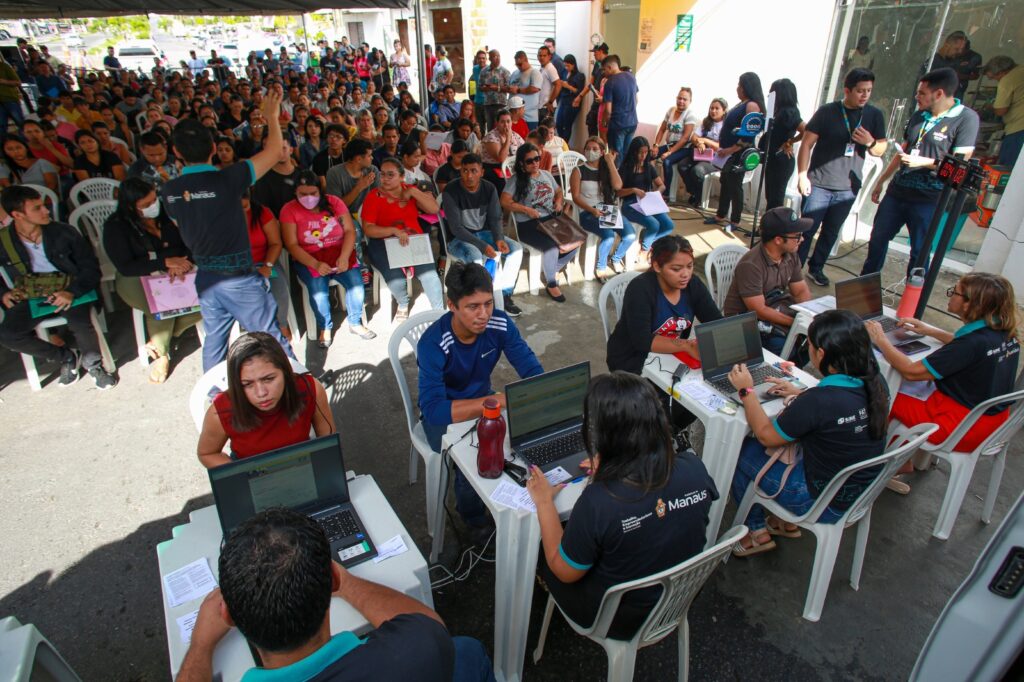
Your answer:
<point x="593" y="155"/>
<point x="310" y="201"/>
<point x="151" y="211"/>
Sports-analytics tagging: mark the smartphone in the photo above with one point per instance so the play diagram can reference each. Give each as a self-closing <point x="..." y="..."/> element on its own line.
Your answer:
<point x="912" y="347"/>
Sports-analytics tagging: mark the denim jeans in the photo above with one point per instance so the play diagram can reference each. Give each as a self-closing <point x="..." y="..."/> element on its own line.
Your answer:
<point x="619" y="139"/>
<point x="607" y="235"/>
<point x="655" y="226"/>
<point x="395" y="277"/>
<point x="795" y="496"/>
<point x="565" y="117"/>
<point x="9" y="110"/>
<point x="472" y="664"/>
<point x="508" y="271"/>
<point x="245" y="298"/>
<point x="320" y="301"/>
<point x="892" y="214"/>
<point x="828" y="209"/>
<point x="469" y="505"/>
<point x="1009" y="150"/>
<point x="672" y="160"/>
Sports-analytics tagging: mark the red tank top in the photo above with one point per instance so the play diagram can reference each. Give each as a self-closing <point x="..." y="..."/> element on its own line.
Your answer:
<point x="274" y="430"/>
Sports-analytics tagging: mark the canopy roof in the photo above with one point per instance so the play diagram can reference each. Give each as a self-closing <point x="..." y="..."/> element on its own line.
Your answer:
<point x="45" y="9"/>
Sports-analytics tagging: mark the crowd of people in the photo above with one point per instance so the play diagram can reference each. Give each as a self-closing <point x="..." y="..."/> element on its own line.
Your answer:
<point x="318" y="160"/>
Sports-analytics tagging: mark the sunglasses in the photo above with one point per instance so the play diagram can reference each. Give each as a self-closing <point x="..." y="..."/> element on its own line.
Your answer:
<point x="532" y="159"/>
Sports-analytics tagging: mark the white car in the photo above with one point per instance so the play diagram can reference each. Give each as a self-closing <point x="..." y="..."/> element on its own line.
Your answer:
<point x="136" y="56"/>
<point x="74" y="40"/>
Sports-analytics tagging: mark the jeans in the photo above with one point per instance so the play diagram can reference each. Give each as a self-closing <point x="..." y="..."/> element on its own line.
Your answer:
<point x="655" y="226"/>
<point x="731" y="192"/>
<point x="508" y="271"/>
<point x="472" y="664"/>
<point x="1009" y="150"/>
<point x="828" y="208"/>
<point x="892" y="214"/>
<point x="469" y="505"/>
<point x="619" y="139"/>
<point x="320" y="301"/>
<point x="777" y="172"/>
<point x="607" y="235"/>
<point x="9" y="110"/>
<point x="669" y="162"/>
<point x="395" y="277"/>
<point x="565" y="117"/>
<point x="245" y="298"/>
<point x="795" y="496"/>
<point x="18" y="333"/>
<point x="552" y="261"/>
<point x="694" y="177"/>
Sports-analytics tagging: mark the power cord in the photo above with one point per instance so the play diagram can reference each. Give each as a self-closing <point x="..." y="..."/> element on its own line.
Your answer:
<point x="460" y="574"/>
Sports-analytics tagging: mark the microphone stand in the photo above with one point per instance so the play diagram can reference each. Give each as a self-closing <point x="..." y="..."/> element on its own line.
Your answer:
<point x="760" y="182"/>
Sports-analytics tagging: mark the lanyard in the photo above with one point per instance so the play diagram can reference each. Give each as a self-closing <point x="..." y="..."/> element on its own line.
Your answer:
<point x="930" y="123"/>
<point x="849" y="128"/>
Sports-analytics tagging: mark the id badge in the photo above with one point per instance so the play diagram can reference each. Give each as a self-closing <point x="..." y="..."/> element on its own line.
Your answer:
<point x="915" y="152"/>
<point x="850" y="148"/>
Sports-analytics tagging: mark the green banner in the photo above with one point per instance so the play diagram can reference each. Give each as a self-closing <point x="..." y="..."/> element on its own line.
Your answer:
<point x="684" y="32"/>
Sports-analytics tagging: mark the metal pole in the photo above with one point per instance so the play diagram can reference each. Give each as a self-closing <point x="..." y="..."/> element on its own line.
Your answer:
<point x="417" y="60"/>
<point x="760" y="181"/>
<point x="938" y="35"/>
<point x="940" y="250"/>
<point x="305" y="35"/>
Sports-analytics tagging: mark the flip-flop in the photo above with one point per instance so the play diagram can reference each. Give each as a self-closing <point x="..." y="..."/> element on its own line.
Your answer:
<point x="898" y="486"/>
<point x="756" y="547"/>
<point x="781" y="531"/>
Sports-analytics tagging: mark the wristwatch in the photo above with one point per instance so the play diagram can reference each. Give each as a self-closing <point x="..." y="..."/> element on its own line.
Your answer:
<point x="744" y="392"/>
<point x="269" y="264"/>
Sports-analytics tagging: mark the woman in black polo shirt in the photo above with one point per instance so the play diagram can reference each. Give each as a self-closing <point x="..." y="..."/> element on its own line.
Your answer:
<point x="644" y="510"/>
<point x="839" y="422"/>
<point x="976" y="363"/>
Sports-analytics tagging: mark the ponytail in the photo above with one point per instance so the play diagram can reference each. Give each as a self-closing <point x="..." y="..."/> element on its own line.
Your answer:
<point x="878" y="400"/>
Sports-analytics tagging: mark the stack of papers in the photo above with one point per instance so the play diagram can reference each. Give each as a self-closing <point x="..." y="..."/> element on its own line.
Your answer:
<point x="511" y="495"/>
<point x="703" y="394"/>
<point x="188" y="583"/>
<point x="652" y="204"/>
<point x="390" y="548"/>
<point x="816" y="306"/>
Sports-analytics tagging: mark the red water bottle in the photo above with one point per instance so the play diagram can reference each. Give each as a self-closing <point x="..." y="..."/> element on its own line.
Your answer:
<point x="490" y="458"/>
<point x="911" y="294"/>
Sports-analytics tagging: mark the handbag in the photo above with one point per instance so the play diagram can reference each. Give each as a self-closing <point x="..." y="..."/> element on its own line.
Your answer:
<point x="564" y="231"/>
<point x="788" y="454"/>
<point x="707" y="155"/>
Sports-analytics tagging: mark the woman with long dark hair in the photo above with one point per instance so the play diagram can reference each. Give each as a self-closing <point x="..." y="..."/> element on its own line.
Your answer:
<point x="625" y="524"/>
<point x="572" y="85"/>
<point x="638" y="178"/>
<point x="267" y="405"/>
<point x="727" y="158"/>
<point x="839" y="422"/>
<point x="95" y="162"/>
<point x="596" y="182"/>
<point x="787" y="127"/>
<point x="21" y="167"/>
<point x="266" y="243"/>
<point x="533" y="195"/>
<point x="141" y="240"/>
<point x="693" y="170"/>
<point x="313" y="141"/>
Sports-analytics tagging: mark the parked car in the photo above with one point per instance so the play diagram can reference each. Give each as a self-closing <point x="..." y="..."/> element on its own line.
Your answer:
<point x="138" y="56"/>
<point x="74" y="40"/>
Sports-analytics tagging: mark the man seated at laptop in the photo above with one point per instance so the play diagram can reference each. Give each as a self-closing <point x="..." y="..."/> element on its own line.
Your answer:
<point x="267" y="406"/>
<point x="768" y="279"/>
<point x="456" y="356"/>
<point x="277" y="578"/>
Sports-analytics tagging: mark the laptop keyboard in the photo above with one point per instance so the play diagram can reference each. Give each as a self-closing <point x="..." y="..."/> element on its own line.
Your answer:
<point x="888" y="323"/>
<point x="759" y="373"/>
<point x="339" y="525"/>
<point x="554" y="449"/>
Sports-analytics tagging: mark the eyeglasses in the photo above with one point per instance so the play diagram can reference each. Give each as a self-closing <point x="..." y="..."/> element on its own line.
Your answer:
<point x="951" y="292"/>
<point x="793" y="237"/>
<point x="532" y="159"/>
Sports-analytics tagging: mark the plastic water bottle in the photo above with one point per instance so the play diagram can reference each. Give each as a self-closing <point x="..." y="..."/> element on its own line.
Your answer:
<point x="490" y="458"/>
<point x="491" y="265"/>
<point x="911" y="294"/>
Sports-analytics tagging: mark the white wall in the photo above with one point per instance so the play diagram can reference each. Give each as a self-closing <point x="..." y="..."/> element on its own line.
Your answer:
<point x="1001" y="251"/>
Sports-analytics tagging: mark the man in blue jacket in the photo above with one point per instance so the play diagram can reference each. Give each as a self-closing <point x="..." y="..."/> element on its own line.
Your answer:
<point x="456" y="356"/>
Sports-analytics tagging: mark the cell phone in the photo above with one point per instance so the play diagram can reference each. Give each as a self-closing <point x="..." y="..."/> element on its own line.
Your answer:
<point x="516" y="473"/>
<point x="912" y="347"/>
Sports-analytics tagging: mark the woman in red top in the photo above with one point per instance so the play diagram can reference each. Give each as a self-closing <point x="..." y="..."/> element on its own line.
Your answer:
<point x="362" y="66"/>
<point x="319" y="234"/>
<point x="265" y="238"/>
<point x="392" y="211"/>
<point x="267" y="406"/>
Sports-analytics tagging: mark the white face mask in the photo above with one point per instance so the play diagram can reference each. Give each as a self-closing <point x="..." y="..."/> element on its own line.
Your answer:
<point x="152" y="211"/>
<point x="593" y="155"/>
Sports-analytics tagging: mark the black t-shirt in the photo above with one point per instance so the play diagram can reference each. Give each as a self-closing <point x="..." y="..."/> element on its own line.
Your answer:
<point x="324" y="162"/>
<point x="784" y="127"/>
<point x="105" y="168"/>
<point x="831" y="422"/>
<point x="447" y="173"/>
<point x="955" y="132"/>
<point x="274" y="189"/>
<point x="206" y="203"/>
<point x="830" y="167"/>
<point x="978" y="364"/>
<point x="617" y="534"/>
<point x="642" y="179"/>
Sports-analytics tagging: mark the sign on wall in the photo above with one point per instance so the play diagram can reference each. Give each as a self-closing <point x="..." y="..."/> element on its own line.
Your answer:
<point x="646" y="43"/>
<point x="684" y="32"/>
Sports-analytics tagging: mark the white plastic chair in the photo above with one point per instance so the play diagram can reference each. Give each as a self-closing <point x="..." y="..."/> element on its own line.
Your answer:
<point x="872" y="172"/>
<point x="566" y="162"/>
<point x="200" y="398"/>
<point x="49" y="198"/>
<point x="961" y="464"/>
<point x="94" y="189"/>
<point x="719" y="269"/>
<point x="89" y="219"/>
<point x="26" y="655"/>
<point x="410" y="331"/>
<point x="705" y="198"/>
<point x="615" y="289"/>
<point x="140" y="121"/>
<point x="830" y="535"/>
<point x="680" y="585"/>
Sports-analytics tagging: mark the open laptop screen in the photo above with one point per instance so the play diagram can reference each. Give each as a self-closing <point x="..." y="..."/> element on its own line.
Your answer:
<point x="861" y="295"/>
<point x="296" y="477"/>
<point x="724" y="343"/>
<point x="546" y="400"/>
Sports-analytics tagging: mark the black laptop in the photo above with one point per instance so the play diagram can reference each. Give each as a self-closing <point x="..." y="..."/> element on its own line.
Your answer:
<point x="863" y="297"/>
<point x="731" y="341"/>
<point x="308" y="477"/>
<point x="545" y="417"/>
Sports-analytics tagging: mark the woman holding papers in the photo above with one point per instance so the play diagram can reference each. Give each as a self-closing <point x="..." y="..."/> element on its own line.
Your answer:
<point x="320" y="237"/>
<point x="645" y="508"/>
<point x="594" y="186"/>
<point x="977" y="363"/>
<point x="639" y="177"/>
<point x="141" y="241"/>
<point x="390" y="212"/>
<point x="267" y="405"/>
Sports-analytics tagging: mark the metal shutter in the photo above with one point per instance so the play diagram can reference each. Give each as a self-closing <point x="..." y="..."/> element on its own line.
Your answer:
<point x="535" y="21"/>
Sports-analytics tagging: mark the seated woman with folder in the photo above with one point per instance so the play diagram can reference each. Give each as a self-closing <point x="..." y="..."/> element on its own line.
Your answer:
<point x="267" y="406"/>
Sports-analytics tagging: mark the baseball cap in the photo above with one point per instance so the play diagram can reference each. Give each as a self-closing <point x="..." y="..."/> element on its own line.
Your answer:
<point x="516" y="102"/>
<point x="782" y="221"/>
<point x="603" y="47"/>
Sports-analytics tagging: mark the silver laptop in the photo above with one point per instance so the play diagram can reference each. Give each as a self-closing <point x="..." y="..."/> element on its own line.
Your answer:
<point x="731" y="341"/>
<point x="545" y="417"/>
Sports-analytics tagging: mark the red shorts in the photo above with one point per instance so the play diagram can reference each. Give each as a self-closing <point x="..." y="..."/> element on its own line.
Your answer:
<point x="947" y="413"/>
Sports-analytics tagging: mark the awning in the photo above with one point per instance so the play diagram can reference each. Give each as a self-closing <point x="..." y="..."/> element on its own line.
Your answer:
<point x="46" y="9"/>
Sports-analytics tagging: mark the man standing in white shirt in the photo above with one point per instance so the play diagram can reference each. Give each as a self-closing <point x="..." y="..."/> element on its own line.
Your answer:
<point x="194" y="63"/>
<point x="551" y="84"/>
<point x="527" y="82"/>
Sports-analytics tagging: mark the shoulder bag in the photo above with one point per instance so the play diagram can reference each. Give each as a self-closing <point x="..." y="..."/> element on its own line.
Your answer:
<point x="788" y="454"/>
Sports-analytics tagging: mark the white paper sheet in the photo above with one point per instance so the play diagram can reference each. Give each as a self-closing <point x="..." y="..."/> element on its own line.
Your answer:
<point x="417" y="252"/>
<point x="390" y="548"/>
<point x="193" y="581"/>
<point x="511" y="495"/>
<point x="917" y="389"/>
<point x="186" y="624"/>
<point x="506" y="494"/>
<point x="435" y="140"/>
<point x="652" y="204"/>
<point x="819" y="305"/>
<point x="703" y="394"/>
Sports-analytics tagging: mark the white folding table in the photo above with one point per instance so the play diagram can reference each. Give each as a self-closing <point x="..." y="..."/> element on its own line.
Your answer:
<point x="201" y="538"/>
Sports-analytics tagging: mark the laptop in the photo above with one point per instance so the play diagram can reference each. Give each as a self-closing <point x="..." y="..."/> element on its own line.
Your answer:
<point x="308" y="477"/>
<point x="545" y="417"/>
<point x="863" y="296"/>
<point x="731" y="341"/>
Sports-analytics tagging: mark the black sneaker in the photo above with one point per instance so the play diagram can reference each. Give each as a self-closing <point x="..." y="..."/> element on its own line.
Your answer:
<point x="103" y="378"/>
<point x="69" y="365"/>
<point x="511" y="309"/>
<point x="818" y="277"/>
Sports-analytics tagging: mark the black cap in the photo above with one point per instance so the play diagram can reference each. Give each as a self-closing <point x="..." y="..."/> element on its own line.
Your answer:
<point x="782" y="221"/>
<point x="603" y="47"/>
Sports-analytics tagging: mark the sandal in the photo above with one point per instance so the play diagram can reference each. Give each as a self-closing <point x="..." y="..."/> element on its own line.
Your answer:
<point x="152" y="352"/>
<point x="159" y="370"/>
<point x="898" y="485"/>
<point x="778" y="527"/>
<point x="756" y="547"/>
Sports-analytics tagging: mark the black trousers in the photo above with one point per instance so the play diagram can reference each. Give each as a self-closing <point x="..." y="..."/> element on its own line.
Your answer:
<point x="731" y="195"/>
<point x="18" y="333"/>
<point x="777" y="172"/>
